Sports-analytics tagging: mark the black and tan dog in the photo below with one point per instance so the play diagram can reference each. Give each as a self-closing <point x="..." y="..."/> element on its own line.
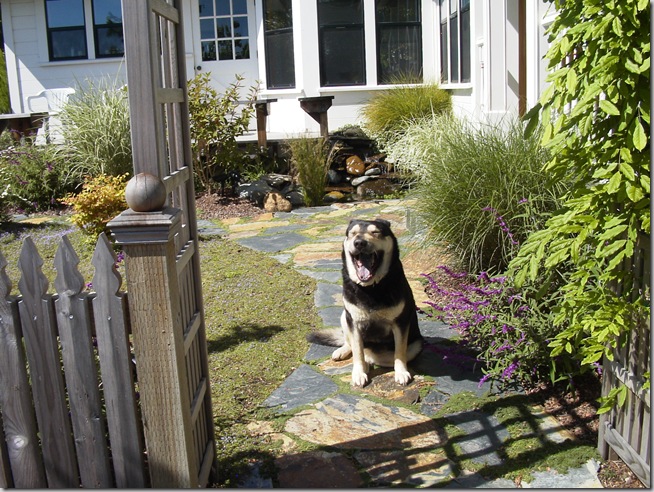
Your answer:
<point x="379" y="323"/>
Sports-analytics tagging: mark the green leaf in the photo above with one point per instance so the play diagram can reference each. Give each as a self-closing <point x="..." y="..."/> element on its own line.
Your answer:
<point x="531" y="117"/>
<point x="622" y="395"/>
<point x="614" y="183"/>
<point x="571" y="81"/>
<point x="608" y="107"/>
<point x="617" y="27"/>
<point x="635" y="193"/>
<point x="612" y="232"/>
<point x="632" y="66"/>
<point x="627" y="171"/>
<point x="638" y="135"/>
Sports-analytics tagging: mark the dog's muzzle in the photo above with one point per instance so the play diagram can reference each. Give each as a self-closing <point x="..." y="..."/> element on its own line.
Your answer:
<point x="365" y="261"/>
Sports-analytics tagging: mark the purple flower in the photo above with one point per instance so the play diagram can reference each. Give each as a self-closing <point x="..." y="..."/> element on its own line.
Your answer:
<point x="483" y="380"/>
<point x="522" y="200"/>
<point x="510" y="370"/>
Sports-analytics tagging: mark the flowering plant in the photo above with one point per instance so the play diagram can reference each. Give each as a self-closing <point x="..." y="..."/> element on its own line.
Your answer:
<point x="508" y="328"/>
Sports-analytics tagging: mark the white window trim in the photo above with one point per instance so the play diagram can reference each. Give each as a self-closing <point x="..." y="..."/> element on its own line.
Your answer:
<point x="437" y="31"/>
<point x="42" y="38"/>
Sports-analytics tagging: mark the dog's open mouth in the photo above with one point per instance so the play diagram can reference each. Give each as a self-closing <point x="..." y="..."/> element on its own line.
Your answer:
<point x="365" y="265"/>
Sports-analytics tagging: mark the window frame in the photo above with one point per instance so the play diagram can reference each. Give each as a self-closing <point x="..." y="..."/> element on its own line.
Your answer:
<point x="97" y="27"/>
<point x="269" y="35"/>
<point x="232" y="38"/>
<point x="88" y="28"/>
<point x="455" y="54"/>
<point x="351" y="27"/>
<point x="415" y="25"/>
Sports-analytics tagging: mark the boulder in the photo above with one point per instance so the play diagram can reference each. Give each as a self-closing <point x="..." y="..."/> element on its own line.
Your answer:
<point x="360" y="180"/>
<point x="255" y="192"/>
<point x="334" y="177"/>
<point x="295" y="197"/>
<point x="355" y="165"/>
<point x="278" y="181"/>
<point x="334" y="196"/>
<point x="275" y="202"/>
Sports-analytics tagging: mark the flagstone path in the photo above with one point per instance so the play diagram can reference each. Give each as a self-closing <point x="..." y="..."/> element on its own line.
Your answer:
<point x="382" y="435"/>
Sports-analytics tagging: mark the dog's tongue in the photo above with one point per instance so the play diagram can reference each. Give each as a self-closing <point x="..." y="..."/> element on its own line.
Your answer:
<point x="363" y="270"/>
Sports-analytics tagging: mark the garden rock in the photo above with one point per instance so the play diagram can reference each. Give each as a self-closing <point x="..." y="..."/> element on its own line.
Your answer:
<point x="278" y="181"/>
<point x="360" y="180"/>
<point x="355" y="165"/>
<point x="275" y="202"/>
<point x="334" y="196"/>
<point x="334" y="177"/>
<point x="254" y="192"/>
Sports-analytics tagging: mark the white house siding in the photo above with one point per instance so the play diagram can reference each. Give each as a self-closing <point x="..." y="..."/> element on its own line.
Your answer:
<point x="492" y="91"/>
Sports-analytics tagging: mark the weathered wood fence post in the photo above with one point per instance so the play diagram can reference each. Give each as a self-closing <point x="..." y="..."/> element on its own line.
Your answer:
<point x="158" y="337"/>
<point x="162" y="253"/>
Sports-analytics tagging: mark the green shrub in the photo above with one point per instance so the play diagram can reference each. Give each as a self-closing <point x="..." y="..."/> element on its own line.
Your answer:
<point x="480" y="187"/>
<point x="31" y="178"/>
<point x="508" y="328"/>
<point x="596" y="119"/>
<point x="388" y="112"/>
<point x="102" y="198"/>
<point x="310" y="161"/>
<point x="96" y="132"/>
<point x="216" y="120"/>
<point x="5" y="105"/>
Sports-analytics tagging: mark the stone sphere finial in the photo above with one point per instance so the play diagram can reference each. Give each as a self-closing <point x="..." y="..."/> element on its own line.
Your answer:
<point x="145" y="193"/>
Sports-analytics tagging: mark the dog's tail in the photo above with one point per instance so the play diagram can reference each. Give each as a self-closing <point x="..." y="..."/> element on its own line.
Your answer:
<point x="329" y="336"/>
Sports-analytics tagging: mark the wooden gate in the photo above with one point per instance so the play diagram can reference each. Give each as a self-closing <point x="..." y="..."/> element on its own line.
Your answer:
<point x="172" y="328"/>
<point x="625" y="431"/>
<point x="65" y="426"/>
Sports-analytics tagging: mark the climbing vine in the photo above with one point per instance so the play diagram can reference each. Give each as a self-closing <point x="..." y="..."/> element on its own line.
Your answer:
<point x="596" y="119"/>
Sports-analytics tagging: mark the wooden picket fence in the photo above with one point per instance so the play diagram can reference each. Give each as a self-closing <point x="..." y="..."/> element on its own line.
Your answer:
<point x="68" y="391"/>
<point x="625" y="432"/>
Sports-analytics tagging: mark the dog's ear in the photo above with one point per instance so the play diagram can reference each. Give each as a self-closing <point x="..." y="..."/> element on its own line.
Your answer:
<point x="384" y="221"/>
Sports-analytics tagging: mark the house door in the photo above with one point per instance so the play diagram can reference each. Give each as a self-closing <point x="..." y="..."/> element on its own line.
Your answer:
<point x="225" y="43"/>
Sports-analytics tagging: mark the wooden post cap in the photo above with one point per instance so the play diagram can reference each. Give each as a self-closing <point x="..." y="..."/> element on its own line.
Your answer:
<point x="145" y="193"/>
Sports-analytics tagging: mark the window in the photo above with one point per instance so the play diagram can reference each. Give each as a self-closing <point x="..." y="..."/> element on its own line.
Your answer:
<point x="341" y="41"/>
<point x="455" y="41"/>
<point x="399" y="41"/>
<point x="224" y="30"/>
<point x="108" y="28"/>
<point x="278" y="39"/>
<point x="67" y="28"/>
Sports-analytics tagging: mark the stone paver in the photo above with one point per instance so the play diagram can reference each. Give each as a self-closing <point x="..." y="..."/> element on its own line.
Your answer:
<point x="302" y="387"/>
<point x="352" y="422"/>
<point x="362" y="441"/>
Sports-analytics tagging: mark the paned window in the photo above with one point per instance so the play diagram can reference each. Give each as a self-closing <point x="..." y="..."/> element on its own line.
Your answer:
<point x="399" y="41"/>
<point x="67" y="29"/>
<point x="278" y="40"/>
<point x="108" y="28"/>
<point x="455" y="41"/>
<point x="342" y="41"/>
<point x="224" y="30"/>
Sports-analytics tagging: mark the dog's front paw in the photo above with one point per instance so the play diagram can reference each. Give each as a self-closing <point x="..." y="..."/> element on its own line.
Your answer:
<point x="359" y="377"/>
<point x="341" y="353"/>
<point x="402" y="377"/>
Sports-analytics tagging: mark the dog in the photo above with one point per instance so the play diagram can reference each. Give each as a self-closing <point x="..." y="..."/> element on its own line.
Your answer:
<point x="379" y="323"/>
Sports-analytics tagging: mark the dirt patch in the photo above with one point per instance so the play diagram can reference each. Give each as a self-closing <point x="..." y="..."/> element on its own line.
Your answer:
<point x="216" y="206"/>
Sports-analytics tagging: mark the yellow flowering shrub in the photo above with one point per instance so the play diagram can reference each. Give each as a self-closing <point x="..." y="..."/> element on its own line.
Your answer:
<point x="102" y="198"/>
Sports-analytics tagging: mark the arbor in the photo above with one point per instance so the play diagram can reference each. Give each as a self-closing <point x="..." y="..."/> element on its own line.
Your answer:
<point x="596" y="119"/>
